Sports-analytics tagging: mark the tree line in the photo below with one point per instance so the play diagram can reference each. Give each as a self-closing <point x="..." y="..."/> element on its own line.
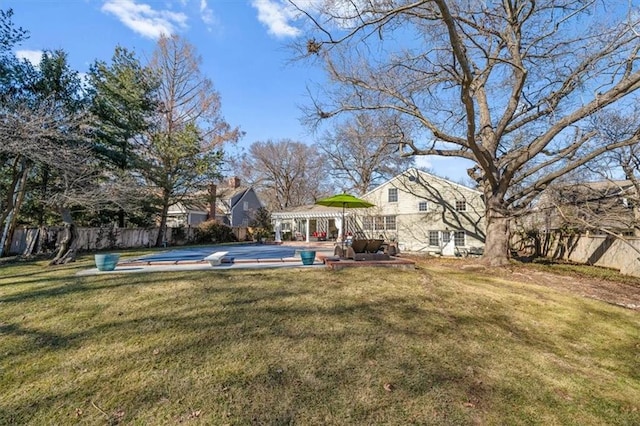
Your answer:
<point x="533" y="93"/>
<point x="122" y="145"/>
<point x="132" y="138"/>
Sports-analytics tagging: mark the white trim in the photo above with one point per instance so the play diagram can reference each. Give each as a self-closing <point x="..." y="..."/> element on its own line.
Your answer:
<point x="422" y="172"/>
<point x="300" y="215"/>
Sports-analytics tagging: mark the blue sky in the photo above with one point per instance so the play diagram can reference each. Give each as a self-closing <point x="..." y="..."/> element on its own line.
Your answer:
<point x="243" y="44"/>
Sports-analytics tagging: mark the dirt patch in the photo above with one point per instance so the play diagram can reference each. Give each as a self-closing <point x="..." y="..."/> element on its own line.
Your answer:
<point x="620" y="293"/>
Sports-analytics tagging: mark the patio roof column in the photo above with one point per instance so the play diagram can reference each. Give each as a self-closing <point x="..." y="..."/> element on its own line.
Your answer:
<point x="278" y="231"/>
<point x="339" y="226"/>
<point x="307" y="239"/>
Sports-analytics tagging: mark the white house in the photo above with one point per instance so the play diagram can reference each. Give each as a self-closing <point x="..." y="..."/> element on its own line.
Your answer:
<point x="422" y="212"/>
<point x="426" y="213"/>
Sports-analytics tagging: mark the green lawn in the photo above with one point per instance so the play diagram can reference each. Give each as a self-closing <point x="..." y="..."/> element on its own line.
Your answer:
<point x="272" y="347"/>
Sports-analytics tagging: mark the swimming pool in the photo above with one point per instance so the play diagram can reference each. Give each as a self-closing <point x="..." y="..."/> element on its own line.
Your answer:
<point x="238" y="251"/>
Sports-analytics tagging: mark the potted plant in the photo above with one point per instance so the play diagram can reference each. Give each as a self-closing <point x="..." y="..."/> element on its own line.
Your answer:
<point x="106" y="261"/>
<point x="308" y="257"/>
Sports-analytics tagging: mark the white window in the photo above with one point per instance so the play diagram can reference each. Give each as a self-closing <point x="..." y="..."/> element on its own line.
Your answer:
<point x="461" y="205"/>
<point x="446" y="237"/>
<point x="423" y="206"/>
<point x="245" y="222"/>
<point x="393" y="195"/>
<point x="367" y="223"/>
<point x="379" y="223"/>
<point x="390" y="223"/>
<point x="434" y="238"/>
<point x="459" y="238"/>
<point x="245" y="206"/>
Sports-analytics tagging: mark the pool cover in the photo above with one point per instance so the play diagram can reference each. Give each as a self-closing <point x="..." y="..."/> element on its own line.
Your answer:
<point x="238" y="251"/>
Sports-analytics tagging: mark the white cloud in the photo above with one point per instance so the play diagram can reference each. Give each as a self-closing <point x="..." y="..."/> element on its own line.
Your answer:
<point x="206" y="13"/>
<point x="33" y="56"/>
<point x="423" y="162"/>
<point x="277" y="17"/>
<point x="144" y="20"/>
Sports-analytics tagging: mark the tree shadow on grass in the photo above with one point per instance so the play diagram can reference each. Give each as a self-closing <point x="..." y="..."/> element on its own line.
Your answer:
<point x="267" y="348"/>
<point x="72" y="285"/>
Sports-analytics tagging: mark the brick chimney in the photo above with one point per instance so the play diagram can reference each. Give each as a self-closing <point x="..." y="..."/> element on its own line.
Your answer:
<point x="213" y="189"/>
<point x="234" y="182"/>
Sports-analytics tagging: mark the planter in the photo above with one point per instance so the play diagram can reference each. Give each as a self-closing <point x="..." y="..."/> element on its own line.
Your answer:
<point x="107" y="261"/>
<point x="308" y="257"/>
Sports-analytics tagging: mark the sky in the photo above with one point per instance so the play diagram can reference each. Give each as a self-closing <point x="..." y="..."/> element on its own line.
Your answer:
<point x="243" y="45"/>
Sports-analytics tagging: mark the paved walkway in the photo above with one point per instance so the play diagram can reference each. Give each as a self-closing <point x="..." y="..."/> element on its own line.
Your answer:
<point x="200" y="266"/>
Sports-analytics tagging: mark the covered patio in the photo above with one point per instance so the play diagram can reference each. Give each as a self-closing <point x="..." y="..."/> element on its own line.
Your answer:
<point x="310" y="219"/>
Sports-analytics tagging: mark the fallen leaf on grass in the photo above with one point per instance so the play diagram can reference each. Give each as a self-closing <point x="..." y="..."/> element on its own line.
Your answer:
<point x="388" y="387"/>
<point x="195" y="414"/>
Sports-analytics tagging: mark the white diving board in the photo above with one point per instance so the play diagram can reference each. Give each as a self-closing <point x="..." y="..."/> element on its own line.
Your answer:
<point x="218" y="258"/>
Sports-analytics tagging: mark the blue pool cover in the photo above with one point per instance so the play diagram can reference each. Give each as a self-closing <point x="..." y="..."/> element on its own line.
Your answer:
<point x="238" y="251"/>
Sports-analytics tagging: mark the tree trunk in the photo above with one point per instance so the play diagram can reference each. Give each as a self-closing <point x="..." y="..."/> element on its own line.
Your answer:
<point x="14" y="219"/>
<point x="44" y="188"/>
<point x="15" y="196"/>
<point x="496" y="248"/>
<point x="163" y="222"/>
<point x="67" y="250"/>
<point x="121" y="218"/>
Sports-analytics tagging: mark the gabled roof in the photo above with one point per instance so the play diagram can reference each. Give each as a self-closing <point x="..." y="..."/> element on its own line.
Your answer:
<point x="189" y="205"/>
<point x="234" y="197"/>
<point x="592" y="191"/>
<point x="413" y="172"/>
<point x="226" y="199"/>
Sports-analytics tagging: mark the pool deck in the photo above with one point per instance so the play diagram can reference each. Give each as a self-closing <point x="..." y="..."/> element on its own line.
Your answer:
<point x="324" y="258"/>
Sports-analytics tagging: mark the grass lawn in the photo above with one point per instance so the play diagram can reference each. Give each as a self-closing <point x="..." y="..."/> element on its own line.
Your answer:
<point x="439" y="345"/>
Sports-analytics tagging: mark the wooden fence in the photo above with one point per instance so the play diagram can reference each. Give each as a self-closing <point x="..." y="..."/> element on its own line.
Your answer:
<point x="27" y="240"/>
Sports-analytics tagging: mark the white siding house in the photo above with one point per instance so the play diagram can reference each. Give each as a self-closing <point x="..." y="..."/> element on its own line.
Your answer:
<point x="426" y="213"/>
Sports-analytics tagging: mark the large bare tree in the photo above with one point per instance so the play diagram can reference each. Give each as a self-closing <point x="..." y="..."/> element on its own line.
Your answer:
<point x="363" y="150"/>
<point x="183" y="150"/>
<point x="602" y="197"/>
<point x="509" y="85"/>
<point x="46" y="158"/>
<point x="286" y="173"/>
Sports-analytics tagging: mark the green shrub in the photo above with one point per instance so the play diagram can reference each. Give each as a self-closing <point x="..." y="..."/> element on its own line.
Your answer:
<point x="260" y="225"/>
<point x="212" y="231"/>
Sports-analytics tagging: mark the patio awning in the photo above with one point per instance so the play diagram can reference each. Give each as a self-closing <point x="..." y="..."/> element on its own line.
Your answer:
<point x="308" y="212"/>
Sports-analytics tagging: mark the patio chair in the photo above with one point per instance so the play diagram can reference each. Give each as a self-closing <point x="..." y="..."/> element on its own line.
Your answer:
<point x="353" y="246"/>
<point x="366" y="250"/>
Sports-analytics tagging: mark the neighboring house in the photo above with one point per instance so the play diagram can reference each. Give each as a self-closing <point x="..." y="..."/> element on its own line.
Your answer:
<point x="238" y="204"/>
<point x="426" y="213"/>
<point x="187" y="213"/>
<point x="588" y="207"/>
<point x="420" y="211"/>
<point x="234" y="205"/>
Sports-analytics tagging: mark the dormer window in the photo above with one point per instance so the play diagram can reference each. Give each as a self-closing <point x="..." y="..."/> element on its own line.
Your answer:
<point x="393" y="195"/>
